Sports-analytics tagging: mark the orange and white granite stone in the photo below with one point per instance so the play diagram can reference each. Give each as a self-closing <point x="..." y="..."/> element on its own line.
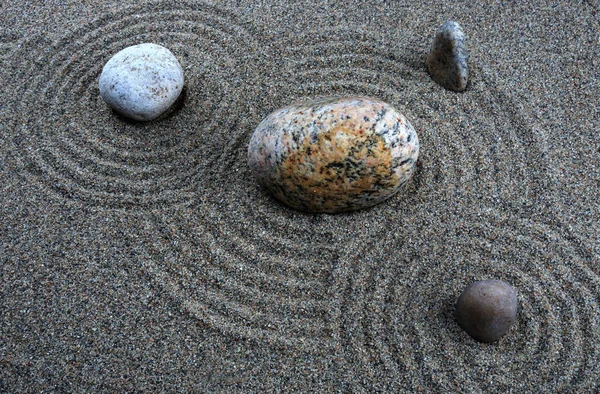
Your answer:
<point x="334" y="154"/>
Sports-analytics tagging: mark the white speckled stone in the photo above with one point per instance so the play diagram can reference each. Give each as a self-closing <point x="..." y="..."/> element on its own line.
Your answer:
<point x="334" y="154"/>
<point x="141" y="81"/>
<point x="447" y="61"/>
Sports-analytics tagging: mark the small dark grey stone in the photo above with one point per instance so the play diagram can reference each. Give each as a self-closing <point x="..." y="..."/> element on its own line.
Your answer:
<point x="447" y="61"/>
<point x="486" y="309"/>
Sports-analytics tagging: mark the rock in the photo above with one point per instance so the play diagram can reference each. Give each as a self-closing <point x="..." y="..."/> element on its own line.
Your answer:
<point x="141" y="81"/>
<point x="486" y="309"/>
<point x="334" y="154"/>
<point x="447" y="61"/>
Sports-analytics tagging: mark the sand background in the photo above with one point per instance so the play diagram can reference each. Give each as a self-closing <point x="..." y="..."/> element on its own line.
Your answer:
<point x="144" y="258"/>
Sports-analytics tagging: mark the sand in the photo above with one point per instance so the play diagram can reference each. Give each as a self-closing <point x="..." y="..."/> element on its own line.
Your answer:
<point x="143" y="257"/>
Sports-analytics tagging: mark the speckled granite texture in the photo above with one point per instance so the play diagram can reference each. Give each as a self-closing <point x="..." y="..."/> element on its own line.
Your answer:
<point x="334" y="154"/>
<point x="144" y="257"/>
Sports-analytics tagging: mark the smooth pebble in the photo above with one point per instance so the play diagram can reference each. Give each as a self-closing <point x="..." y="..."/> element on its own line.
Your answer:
<point x="141" y="81"/>
<point x="487" y="309"/>
<point x="334" y="154"/>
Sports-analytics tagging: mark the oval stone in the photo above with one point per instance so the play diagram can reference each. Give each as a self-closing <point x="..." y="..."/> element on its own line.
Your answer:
<point x="141" y="81"/>
<point x="334" y="154"/>
<point x="486" y="309"/>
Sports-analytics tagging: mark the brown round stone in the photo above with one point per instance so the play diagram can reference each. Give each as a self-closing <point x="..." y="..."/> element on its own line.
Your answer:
<point x="486" y="309"/>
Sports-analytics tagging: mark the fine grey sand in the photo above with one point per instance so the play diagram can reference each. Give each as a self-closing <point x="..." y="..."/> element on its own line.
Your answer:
<point x="143" y="257"/>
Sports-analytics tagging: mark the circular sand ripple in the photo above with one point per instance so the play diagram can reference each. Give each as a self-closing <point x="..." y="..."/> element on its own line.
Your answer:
<point x="396" y="313"/>
<point x="246" y="265"/>
<point x="243" y="263"/>
<point x="69" y="141"/>
<point x="9" y="43"/>
<point x="473" y="145"/>
<point x="248" y="268"/>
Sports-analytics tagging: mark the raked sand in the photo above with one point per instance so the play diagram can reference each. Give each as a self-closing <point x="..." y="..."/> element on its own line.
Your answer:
<point x="143" y="257"/>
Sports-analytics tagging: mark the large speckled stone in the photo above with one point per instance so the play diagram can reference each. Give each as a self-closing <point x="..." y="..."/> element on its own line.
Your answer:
<point x="141" y="81"/>
<point x="447" y="61"/>
<point x="486" y="309"/>
<point x="334" y="154"/>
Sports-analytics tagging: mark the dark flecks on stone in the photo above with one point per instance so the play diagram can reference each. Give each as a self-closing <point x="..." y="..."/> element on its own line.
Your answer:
<point x="486" y="309"/>
<point x="329" y="157"/>
<point x="447" y="61"/>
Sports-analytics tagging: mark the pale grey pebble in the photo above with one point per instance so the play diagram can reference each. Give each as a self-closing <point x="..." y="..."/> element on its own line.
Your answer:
<point x="141" y="81"/>
<point x="487" y="309"/>
<point x="447" y="61"/>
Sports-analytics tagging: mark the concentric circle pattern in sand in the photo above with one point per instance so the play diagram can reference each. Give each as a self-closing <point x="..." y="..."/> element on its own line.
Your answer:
<point x="389" y="325"/>
<point x="246" y="265"/>
<point x="473" y="145"/>
<point x="264" y="278"/>
<point x="69" y="141"/>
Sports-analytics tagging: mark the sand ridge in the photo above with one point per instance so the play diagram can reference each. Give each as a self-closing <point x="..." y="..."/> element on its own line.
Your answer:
<point x="144" y="257"/>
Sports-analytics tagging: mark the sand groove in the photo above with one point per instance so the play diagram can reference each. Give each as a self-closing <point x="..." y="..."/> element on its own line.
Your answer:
<point x="99" y="158"/>
<point x="476" y="144"/>
<point x="385" y="307"/>
<point x="226" y="272"/>
<point x="253" y="285"/>
<point x="358" y="287"/>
